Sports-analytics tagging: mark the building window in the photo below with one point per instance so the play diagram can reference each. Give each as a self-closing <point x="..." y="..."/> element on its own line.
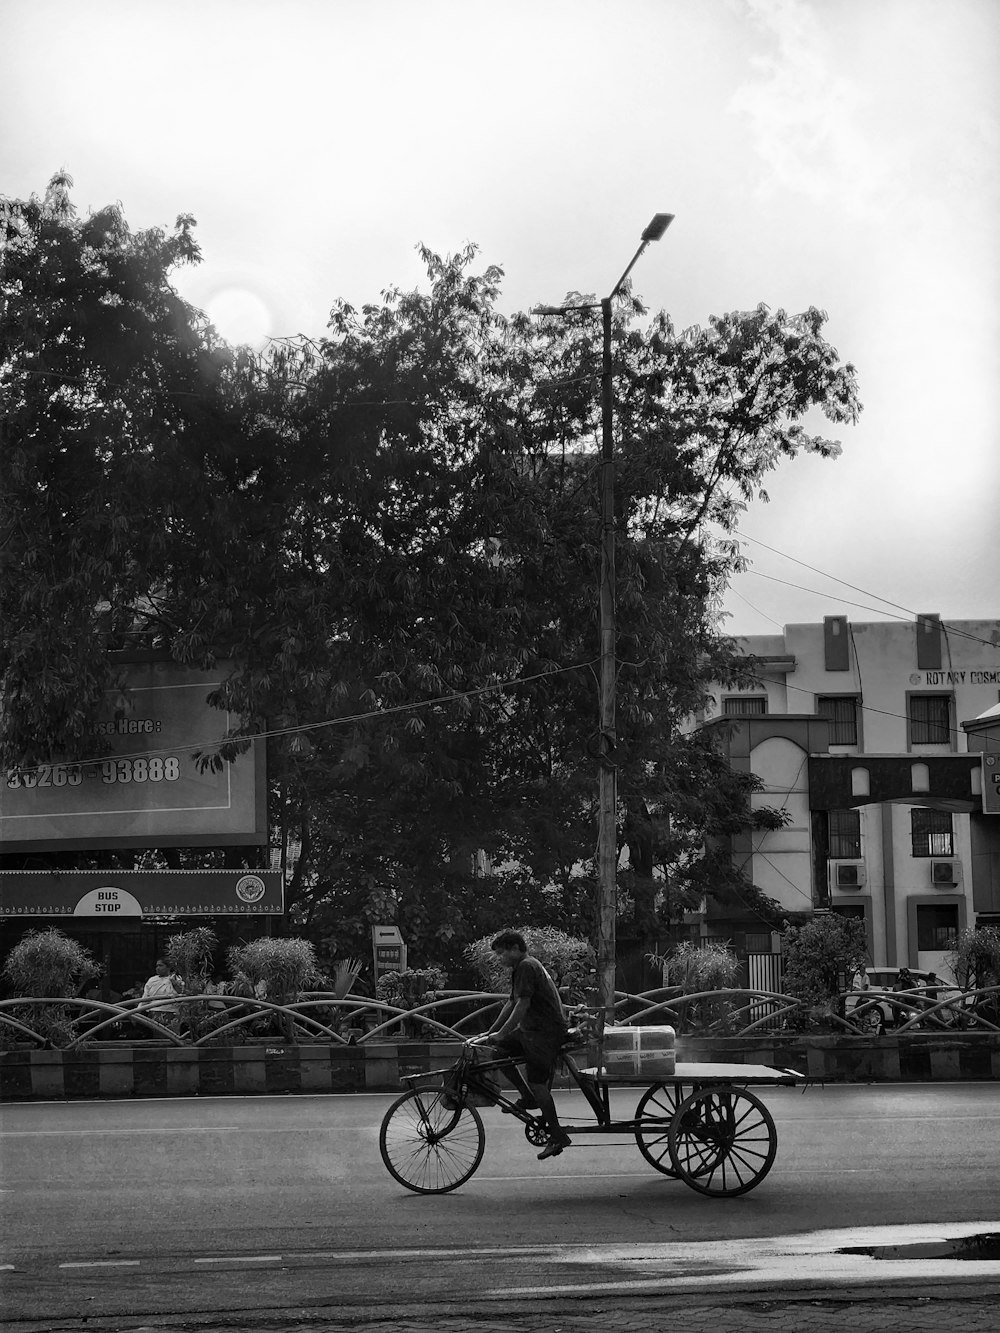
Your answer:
<point x="852" y="911"/>
<point x="841" y="711"/>
<point x="753" y="705"/>
<point x="937" y="928"/>
<point x="844" y="829"/>
<point x="930" y="719"/>
<point x="931" y="832"/>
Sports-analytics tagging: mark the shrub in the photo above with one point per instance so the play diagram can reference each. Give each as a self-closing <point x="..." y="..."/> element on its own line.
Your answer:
<point x="281" y="967"/>
<point x="975" y="959"/>
<point x="694" y="967"/>
<point x="345" y="973"/>
<point x="412" y="987"/>
<point x="818" y="955"/>
<point x="46" y="964"/>
<point x="190" y="956"/>
<point x="568" y="959"/>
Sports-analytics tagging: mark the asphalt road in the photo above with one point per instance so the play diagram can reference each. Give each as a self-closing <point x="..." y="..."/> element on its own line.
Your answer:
<point x="206" y="1208"/>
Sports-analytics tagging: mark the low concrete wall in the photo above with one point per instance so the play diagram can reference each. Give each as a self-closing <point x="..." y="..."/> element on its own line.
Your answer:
<point x="916" y="1057"/>
<point x="136" y="1071"/>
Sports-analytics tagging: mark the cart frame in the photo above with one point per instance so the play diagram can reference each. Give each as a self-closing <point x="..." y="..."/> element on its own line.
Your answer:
<point x="701" y="1124"/>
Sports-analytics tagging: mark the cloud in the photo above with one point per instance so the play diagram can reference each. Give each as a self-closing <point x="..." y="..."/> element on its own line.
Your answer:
<point x="805" y="113"/>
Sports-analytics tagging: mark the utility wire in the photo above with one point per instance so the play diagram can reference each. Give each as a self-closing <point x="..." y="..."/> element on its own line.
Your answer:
<point x="854" y="587"/>
<point x="316" y="726"/>
<point x="865" y="708"/>
<point x="756" y="609"/>
<point x="773" y="578"/>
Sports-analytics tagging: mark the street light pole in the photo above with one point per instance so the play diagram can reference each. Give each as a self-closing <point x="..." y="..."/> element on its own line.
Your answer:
<point x="607" y="774"/>
<point x="607" y="792"/>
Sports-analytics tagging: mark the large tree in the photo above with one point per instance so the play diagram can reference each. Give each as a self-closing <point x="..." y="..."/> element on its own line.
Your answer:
<point x="393" y="532"/>
<point x="111" y="410"/>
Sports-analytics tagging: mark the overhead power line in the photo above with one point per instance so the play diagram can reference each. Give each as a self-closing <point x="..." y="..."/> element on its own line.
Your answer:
<point x="952" y="629"/>
<point x="317" y="726"/>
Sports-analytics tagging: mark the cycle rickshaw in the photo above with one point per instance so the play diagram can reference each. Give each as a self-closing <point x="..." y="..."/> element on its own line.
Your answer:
<point x="701" y="1124"/>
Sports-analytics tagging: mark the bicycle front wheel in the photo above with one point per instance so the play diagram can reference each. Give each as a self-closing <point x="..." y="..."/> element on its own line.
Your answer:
<point x="429" y="1147"/>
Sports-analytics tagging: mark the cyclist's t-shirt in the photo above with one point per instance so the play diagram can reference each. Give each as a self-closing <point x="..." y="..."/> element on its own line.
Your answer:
<point x="529" y="980"/>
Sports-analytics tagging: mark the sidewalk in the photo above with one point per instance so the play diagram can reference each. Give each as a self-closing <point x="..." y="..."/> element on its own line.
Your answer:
<point x="972" y="1308"/>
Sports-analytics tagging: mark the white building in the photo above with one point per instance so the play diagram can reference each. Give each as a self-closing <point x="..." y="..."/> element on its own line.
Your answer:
<point x="875" y="739"/>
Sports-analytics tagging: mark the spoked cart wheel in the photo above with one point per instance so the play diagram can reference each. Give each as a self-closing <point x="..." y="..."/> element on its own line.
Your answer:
<point x="427" y="1146"/>
<point x="658" y="1103"/>
<point x="722" y="1141"/>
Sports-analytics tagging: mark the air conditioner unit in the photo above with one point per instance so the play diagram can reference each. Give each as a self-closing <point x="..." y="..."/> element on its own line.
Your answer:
<point x="946" y="874"/>
<point x="847" y="875"/>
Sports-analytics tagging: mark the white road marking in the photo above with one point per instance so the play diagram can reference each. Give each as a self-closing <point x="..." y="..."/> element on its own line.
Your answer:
<point x="648" y="1174"/>
<point x="381" y="1256"/>
<point x="242" y="1259"/>
<point x="120" y="1133"/>
<point x="104" y="1263"/>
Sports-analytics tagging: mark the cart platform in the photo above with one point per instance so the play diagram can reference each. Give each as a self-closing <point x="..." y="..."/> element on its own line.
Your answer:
<point x="702" y="1072"/>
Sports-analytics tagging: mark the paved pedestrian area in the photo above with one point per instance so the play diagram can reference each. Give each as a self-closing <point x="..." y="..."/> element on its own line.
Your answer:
<point x="915" y="1316"/>
<point x="909" y="1313"/>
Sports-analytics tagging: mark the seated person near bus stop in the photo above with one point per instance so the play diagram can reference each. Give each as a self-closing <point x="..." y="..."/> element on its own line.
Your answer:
<point x="531" y="1026"/>
<point x="163" y="984"/>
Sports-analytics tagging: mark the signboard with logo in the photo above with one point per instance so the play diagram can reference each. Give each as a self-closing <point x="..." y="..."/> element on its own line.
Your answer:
<point x="991" y="783"/>
<point x="143" y="786"/>
<point x="115" y="894"/>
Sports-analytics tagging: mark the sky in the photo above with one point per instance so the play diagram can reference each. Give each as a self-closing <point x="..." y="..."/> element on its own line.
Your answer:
<point x="843" y="154"/>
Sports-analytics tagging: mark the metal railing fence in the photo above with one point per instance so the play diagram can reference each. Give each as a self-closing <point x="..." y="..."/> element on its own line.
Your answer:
<point x="214" y="1019"/>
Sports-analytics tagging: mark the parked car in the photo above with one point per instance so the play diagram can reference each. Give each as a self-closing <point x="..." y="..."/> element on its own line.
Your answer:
<point x="883" y="982"/>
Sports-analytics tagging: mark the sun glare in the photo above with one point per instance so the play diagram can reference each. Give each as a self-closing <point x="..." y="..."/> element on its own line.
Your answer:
<point x="239" y="316"/>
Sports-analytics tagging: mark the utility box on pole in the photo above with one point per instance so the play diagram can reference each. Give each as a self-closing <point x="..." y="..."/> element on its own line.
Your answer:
<point x="388" y="950"/>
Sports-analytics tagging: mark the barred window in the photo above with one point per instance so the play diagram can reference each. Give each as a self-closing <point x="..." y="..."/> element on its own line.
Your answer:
<point x="841" y="711"/>
<point x="931" y="832"/>
<point x="937" y="927"/>
<point x="930" y="719"/>
<point x="744" y="704"/>
<point x="844" y="827"/>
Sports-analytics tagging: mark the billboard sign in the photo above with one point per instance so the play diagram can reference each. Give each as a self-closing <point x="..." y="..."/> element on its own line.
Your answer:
<point x="142" y="788"/>
<point x="114" y="894"/>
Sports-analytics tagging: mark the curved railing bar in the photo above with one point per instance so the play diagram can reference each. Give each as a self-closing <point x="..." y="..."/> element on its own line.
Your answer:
<point x="134" y="1012"/>
<point x="259" y="1008"/>
<point x="963" y="1004"/>
<point x="118" y="1011"/>
<point x="423" y="1013"/>
<point x="18" y="1026"/>
<point x="955" y="1003"/>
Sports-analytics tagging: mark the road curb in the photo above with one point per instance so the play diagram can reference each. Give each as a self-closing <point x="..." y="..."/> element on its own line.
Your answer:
<point x="137" y="1071"/>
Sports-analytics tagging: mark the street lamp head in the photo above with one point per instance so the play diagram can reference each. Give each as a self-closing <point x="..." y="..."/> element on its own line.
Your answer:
<point x="659" y="224"/>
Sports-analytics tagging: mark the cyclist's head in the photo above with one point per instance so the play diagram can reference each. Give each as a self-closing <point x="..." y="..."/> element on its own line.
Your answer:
<point x="509" y="939"/>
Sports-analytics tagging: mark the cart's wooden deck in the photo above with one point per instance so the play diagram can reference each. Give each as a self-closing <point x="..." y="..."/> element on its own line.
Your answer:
<point x="702" y="1072"/>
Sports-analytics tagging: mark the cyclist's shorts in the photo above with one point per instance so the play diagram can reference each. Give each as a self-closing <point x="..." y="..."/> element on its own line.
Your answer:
<point x="539" y="1050"/>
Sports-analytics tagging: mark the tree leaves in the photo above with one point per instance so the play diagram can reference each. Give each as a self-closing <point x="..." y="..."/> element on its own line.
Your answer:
<point x="392" y="532"/>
